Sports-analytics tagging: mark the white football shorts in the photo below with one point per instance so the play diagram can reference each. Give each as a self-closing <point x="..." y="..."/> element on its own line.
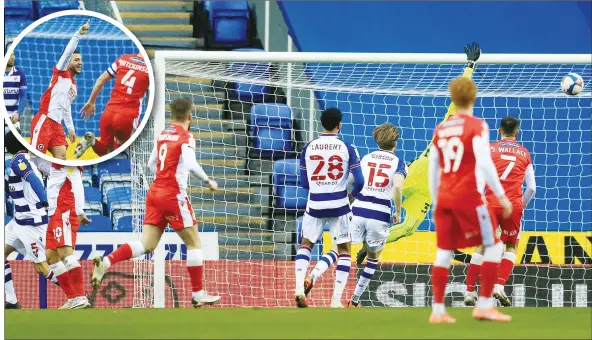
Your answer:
<point x="374" y="232"/>
<point x="339" y="228"/>
<point x="28" y="241"/>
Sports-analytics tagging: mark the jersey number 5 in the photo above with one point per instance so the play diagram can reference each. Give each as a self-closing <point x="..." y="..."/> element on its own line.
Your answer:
<point x="334" y="171"/>
<point x="452" y="150"/>
<point x="379" y="173"/>
<point x="512" y="160"/>
<point x="129" y="81"/>
<point x="162" y="152"/>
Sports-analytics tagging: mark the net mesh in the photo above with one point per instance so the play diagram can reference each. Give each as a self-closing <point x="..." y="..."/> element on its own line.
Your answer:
<point x="39" y="51"/>
<point x="258" y="208"/>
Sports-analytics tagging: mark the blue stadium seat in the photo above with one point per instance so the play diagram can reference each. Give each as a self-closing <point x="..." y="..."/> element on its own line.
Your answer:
<point x="114" y="171"/>
<point x="93" y="208"/>
<point x="317" y="250"/>
<point x="13" y="26"/>
<point x="229" y="23"/>
<point x="99" y="223"/>
<point x="18" y="8"/>
<point x="124" y="224"/>
<point x="92" y="194"/>
<point x="118" y="195"/>
<point x="48" y="7"/>
<point x="287" y="192"/>
<point x="117" y="212"/>
<point x="271" y="128"/>
<point x="254" y="93"/>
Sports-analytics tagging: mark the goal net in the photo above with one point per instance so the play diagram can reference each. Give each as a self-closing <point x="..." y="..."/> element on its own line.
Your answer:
<point x="253" y="114"/>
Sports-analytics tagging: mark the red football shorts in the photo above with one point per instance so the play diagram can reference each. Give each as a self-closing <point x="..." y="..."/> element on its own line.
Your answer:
<point x="62" y="230"/>
<point x="46" y="133"/>
<point x="166" y="208"/>
<point x="119" y="124"/>
<point x="464" y="227"/>
<point x="511" y="225"/>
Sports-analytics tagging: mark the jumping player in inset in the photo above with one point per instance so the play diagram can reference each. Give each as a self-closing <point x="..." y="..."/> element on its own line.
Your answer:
<point x="122" y="112"/>
<point x="47" y="133"/>
<point x="172" y="160"/>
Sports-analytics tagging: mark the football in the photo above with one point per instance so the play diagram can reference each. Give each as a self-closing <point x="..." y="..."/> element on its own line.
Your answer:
<point x="572" y="84"/>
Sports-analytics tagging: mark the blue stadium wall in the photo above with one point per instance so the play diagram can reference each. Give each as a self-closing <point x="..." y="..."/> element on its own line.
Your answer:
<point x="563" y="168"/>
<point x="39" y="51"/>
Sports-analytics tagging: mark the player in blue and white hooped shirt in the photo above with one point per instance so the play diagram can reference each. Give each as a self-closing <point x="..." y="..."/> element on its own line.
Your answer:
<point x="384" y="174"/>
<point x="15" y="91"/>
<point x="325" y="164"/>
<point x="25" y="233"/>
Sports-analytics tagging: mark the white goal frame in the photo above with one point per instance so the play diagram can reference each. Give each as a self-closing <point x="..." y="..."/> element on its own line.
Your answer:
<point x="160" y="58"/>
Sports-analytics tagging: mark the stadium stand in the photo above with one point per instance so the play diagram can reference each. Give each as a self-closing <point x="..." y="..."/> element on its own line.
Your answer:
<point x="228" y="23"/>
<point x="99" y="223"/>
<point x="287" y="192"/>
<point x="48" y="7"/>
<point x="247" y="92"/>
<point x="272" y="129"/>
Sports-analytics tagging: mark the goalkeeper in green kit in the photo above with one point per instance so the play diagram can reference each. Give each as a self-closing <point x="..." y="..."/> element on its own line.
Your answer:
<point x="418" y="200"/>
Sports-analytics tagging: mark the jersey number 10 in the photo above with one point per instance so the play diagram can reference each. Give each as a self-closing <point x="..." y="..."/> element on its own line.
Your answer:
<point x="129" y="81"/>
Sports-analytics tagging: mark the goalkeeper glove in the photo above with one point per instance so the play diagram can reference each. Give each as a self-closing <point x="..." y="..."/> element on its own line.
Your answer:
<point x="473" y="53"/>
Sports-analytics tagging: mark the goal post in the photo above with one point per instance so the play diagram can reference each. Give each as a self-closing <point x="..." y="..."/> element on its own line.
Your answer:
<point x="255" y="214"/>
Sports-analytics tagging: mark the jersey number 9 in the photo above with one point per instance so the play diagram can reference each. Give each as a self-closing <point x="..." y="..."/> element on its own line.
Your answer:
<point x="162" y="152"/>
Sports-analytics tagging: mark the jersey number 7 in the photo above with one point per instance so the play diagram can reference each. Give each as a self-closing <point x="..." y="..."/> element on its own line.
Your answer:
<point x="512" y="160"/>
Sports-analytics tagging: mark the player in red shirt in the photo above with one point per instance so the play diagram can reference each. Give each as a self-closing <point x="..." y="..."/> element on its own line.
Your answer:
<point x="47" y="133"/>
<point x="514" y="166"/>
<point x="459" y="166"/>
<point x="167" y="203"/>
<point x="122" y="112"/>
<point x="65" y="195"/>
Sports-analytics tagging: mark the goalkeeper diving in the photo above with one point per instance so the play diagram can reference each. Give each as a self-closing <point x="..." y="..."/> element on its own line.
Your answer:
<point x="418" y="200"/>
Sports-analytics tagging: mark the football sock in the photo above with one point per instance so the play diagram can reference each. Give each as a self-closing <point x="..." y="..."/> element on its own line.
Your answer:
<point x="76" y="275"/>
<point x="474" y="271"/>
<point x="125" y="252"/>
<point x="506" y="266"/>
<point x="9" y="285"/>
<point x="195" y="269"/>
<point x="63" y="276"/>
<point x="440" y="279"/>
<point x="341" y="274"/>
<point x="364" y="279"/>
<point x="326" y="261"/>
<point x="301" y="266"/>
<point x="489" y="270"/>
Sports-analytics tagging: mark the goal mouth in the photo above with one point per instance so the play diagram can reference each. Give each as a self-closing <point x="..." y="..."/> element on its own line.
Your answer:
<point x="254" y="111"/>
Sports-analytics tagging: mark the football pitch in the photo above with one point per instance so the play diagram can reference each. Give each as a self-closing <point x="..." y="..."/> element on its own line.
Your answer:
<point x="312" y="323"/>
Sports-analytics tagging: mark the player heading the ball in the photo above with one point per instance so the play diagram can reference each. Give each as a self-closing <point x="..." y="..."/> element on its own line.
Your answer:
<point x="514" y="166"/>
<point x="459" y="166"/>
<point x="47" y="133"/>
<point x="122" y="112"/>
<point x="172" y="160"/>
<point x="325" y="164"/>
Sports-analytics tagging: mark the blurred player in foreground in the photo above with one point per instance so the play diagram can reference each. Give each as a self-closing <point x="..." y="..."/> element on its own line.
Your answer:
<point x="65" y="193"/>
<point x="167" y="203"/>
<point x="418" y="200"/>
<point x="459" y="167"/>
<point x="514" y="166"/>
<point x="325" y="164"/>
<point x="25" y="233"/>
<point x="384" y="174"/>
<point x="15" y="90"/>
<point x="122" y="112"/>
<point x="47" y="133"/>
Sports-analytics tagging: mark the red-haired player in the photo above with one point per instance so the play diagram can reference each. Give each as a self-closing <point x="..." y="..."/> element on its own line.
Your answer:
<point x="167" y="203"/>
<point x="65" y="195"/>
<point x="122" y="112"/>
<point x="459" y="166"/>
<point x="514" y="166"/>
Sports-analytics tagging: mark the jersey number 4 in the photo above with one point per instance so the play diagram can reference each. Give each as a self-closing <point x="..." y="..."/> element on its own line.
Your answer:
<point x="129" y="81"/>
<point x="376" y="171"/>
<point x="334" y="169"/>
<point x="452" y="152"/>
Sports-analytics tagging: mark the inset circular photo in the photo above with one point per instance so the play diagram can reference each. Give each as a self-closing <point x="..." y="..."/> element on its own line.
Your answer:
<point x="89" y="88"/>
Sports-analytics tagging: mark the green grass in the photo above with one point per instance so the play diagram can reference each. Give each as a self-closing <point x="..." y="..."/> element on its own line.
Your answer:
<point x="312" y="323"/>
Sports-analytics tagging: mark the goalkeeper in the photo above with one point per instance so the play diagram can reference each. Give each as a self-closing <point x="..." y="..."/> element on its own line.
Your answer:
<point x="418" y="200"/>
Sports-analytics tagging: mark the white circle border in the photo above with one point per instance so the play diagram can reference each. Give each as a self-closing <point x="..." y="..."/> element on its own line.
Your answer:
<point x="149" y="105"/>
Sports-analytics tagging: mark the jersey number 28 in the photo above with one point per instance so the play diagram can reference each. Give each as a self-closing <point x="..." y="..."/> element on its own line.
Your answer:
<point x="334" y="169"/>
<point x="452" y="152"/>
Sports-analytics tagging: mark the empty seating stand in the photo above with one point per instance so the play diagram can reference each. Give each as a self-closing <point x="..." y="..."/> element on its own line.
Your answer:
<point x="272" y="130"/>
<point x="99" y="223"/>
<point x="17" y="16"/>
<point x="228" y="24"/>
<point x="250" y="92"/>
<point x="286" y="190"/>
<point x="48" y="7"/>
